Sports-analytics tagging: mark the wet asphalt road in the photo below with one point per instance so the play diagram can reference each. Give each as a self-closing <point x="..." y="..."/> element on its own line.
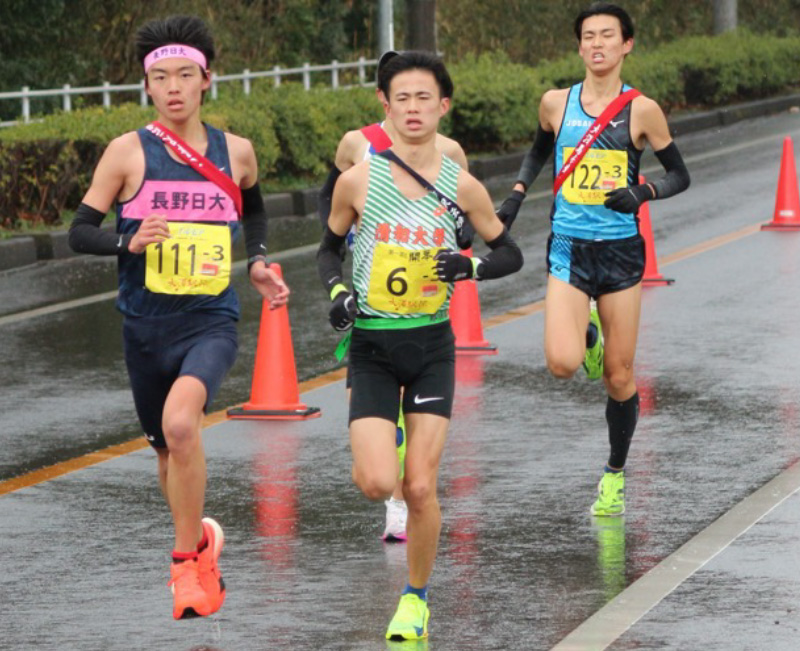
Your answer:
<point x="521" y="563"/>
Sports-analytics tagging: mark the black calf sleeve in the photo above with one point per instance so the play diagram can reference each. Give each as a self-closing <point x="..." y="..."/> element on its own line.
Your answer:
<point x="621" y="418"/>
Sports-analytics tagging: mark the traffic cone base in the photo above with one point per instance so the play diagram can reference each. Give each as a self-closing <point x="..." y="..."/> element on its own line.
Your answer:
<point x="274" y="394"/>
<point x="488" y="349"/>
<point x="787" y="198"/>
<point x="771" y="226"/>
<point x="249" y="412"/>
<point x="656" y="282"/>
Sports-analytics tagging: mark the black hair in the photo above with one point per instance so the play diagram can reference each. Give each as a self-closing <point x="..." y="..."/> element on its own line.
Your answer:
<point x="185" y="30"/>
<point x="385" y="58"/>
<point x="413" y="60"/>
<point x="605" y="9"/>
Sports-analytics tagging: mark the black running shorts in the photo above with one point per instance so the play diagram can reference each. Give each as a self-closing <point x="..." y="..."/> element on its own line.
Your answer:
<point x="420" y="360"/>
<point x="596" y="267"/>
<point x="160" y="349"/>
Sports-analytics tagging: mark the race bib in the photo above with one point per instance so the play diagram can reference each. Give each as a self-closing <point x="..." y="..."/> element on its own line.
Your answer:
<point x="404" y="282"/>
<point x="195" y="260"/>
<point x="600" y="171"/>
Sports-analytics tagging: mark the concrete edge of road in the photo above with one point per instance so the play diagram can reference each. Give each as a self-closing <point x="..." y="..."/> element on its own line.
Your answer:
<point x="293" y="208"/>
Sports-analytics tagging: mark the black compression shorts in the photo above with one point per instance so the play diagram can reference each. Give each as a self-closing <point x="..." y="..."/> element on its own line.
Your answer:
<point x="159" y="350"/>
<point x="420" y="360"/>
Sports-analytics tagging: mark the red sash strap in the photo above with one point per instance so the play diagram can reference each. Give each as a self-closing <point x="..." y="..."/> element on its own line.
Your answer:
<point x="199" y="163"/>
<point x="591" y="135"/>
<point x="377" y="137"/>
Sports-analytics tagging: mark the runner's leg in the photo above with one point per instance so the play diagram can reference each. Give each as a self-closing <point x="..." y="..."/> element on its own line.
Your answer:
<point x="426" y="438"/>
<point x="375" y="467"/>
<point x="619" y="314"/>
<point x="565" y="322"/>
<point x="186" y="465"/>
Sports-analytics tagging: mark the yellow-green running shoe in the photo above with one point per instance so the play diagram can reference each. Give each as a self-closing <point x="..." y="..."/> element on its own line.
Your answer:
<point x="611" y="494"/>
<point x="410" y="622"/>
<point x="401" y="443"/>
<point x="593" y="361"/>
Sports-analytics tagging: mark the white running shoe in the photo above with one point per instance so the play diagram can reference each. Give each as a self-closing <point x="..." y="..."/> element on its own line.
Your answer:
<point x="396" y="517"/>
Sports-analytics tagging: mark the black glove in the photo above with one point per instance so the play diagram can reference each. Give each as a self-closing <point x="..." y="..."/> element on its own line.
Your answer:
<point x="628" y="199"/>
<point x="451" y="266"/>
<point x="465" y="235"/>
<point x="342" y="314"/>
<point x="510" y="207"/>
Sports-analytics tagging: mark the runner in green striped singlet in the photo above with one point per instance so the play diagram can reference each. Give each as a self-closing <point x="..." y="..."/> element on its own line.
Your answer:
<point x="404" y="264"/>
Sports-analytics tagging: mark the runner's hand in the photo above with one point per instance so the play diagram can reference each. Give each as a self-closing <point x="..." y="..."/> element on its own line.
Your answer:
<point x="452" y="266"/>
<point x="342" y="314"/>
<point x="153" y="229"/>
<point x="629" y="199"/>
<point x="269" y="284"/>
<point x="510" y="207"/>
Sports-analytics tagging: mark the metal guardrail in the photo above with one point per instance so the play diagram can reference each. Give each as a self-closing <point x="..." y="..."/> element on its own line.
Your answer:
<point x="66" y="92"/>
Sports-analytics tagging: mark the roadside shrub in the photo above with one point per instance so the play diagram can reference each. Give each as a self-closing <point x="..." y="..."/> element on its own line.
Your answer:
<point x="47" y="165"/>
<point x="495" y="103"/>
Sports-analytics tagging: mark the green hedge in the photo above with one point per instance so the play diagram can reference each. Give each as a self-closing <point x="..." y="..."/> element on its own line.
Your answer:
<point x="295" y="132"/>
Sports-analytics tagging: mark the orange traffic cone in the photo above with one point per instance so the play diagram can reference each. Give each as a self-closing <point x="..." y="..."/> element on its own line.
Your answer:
<point x="274" y="393"/>
<point x="465" y="318"/>
<point x="651" y="275"/>
<point x="787" y="201"/>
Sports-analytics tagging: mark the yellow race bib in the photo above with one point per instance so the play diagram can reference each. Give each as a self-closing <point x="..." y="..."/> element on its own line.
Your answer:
<point x="195" y="260"/>
<point x="599" y="171"/>
<point x="404" y="282"/>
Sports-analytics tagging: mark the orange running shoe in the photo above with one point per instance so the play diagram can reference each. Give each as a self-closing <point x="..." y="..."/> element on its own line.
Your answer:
<point x="210" y="576"/>
<point x="190" y="600"/>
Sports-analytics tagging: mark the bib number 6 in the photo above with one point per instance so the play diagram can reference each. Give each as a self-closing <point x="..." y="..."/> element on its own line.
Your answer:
<point x="397" y="283"/>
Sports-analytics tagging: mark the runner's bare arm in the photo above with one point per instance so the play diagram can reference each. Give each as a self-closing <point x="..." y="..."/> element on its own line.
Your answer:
<point x="244" y="167"/>
<point x="649" y="124"/>
<point x="476" y="202"/>
<point x="452" y="150"/>
<point x="112" y="172"/>
<point x="347" y="153"/>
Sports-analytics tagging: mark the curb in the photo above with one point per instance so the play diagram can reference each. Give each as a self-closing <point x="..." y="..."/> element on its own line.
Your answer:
<point x="293" y="220"/>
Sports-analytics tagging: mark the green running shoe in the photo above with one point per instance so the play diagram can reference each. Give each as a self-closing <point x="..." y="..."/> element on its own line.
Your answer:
<point x="593" y="362"/>
<point x="400" y="442"/>
<point x="611" y="494"/>
<point x="410" y="622"/>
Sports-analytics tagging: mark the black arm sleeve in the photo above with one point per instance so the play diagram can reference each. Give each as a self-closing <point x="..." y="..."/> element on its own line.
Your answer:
<point x="85" y="235"/>
<point x="326" y="195"/>
<point x="254" y="222"/>
<point x="536" y="157"/>
<point x="677" y="177"/>
<point x="329" y="260"/>
<point x="504" y="259"/>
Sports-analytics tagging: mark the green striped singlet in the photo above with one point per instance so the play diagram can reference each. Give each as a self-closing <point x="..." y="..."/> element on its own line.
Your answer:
<point x="392" y="230"/>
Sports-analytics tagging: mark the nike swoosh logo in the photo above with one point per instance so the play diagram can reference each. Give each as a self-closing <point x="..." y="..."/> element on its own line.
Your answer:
<point x="419" y="401"/>
<point x="615" y="124"/>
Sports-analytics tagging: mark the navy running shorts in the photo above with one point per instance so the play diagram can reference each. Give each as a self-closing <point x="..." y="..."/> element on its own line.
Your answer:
<point x="420" y="360"/>
<point x="596" y="267"/>
<point x="160" y="349"/>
